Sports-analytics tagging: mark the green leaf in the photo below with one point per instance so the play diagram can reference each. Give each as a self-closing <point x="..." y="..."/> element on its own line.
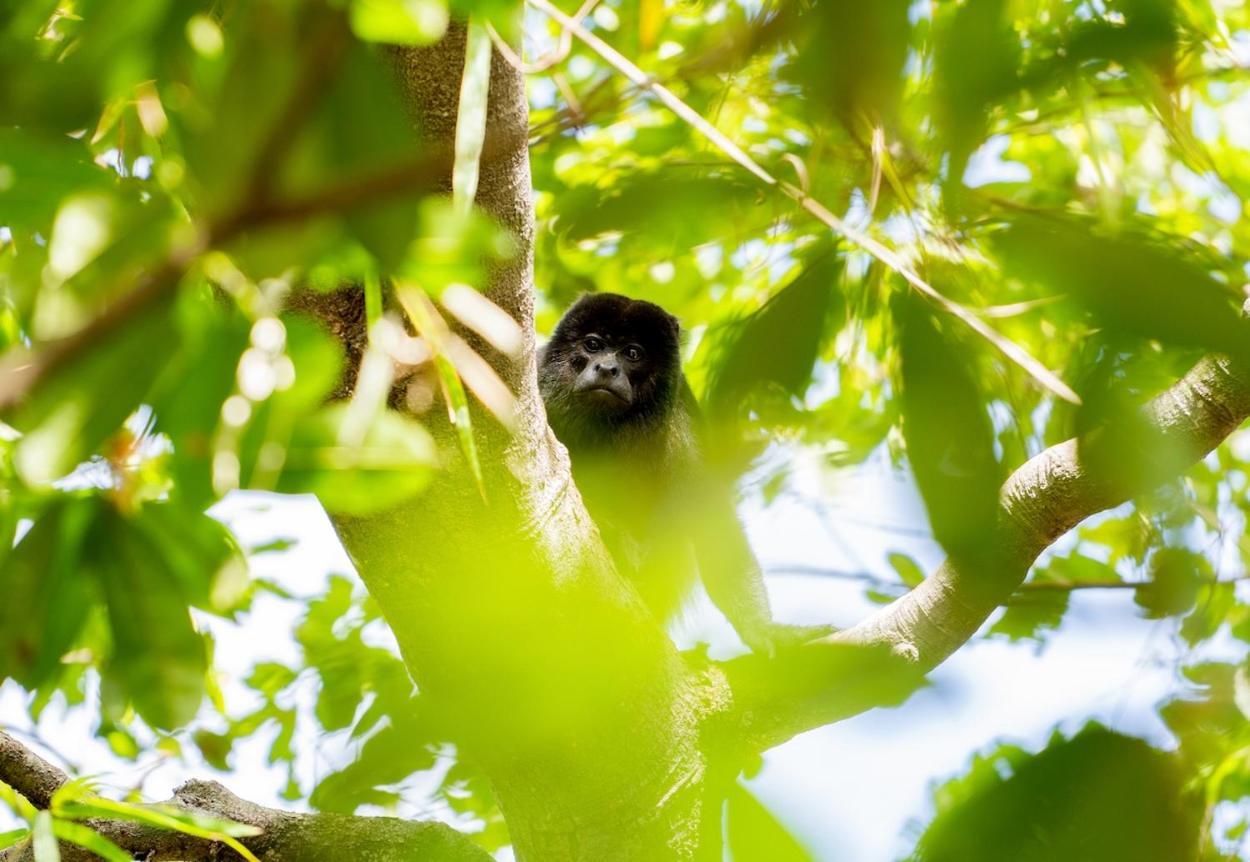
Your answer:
<point x="1030" y="613"/>
<point x="37" y="171"/>
<point x="13" y="836"/>
<point x="46" y="596"/>
<point x="1097" y="796"/>
<point x="697" y="206"/>
<point x="1211" y="610"/>
<point x="199" y="551"/>
<point x="950" y="442"/>
<point x="393" y="462"/>
<point x="424" y="317"/>
<point x="778" y="345"/>
<point x="18" y="803"/>
<point x="76" y="833"/>
<point x="399" y="22"/>
<point x="1135" y="284"/>
<point x="852" y="57"/>
<point x="976" y="59"/>
<point x="1175" y="577"/>
<point x="909" y="571"/>
<point x="471" y="114"/>
<point x="88" y="398"/>
<point x="158" y="658"/>
<point x="214" y="748"/>
<point x="363" y="96"/>
<point x="161" y="816"/>
<point x="753" y="832"/>
<point x="388" y="757"/>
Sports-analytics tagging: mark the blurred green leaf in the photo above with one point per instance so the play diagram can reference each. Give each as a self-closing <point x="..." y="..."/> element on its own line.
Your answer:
<point x="950" y="442"/>
<point x="852" y="57"/>
<point x="753" y="832"/>
<point x="43" y="839"/>
<point x="1134" y="284"/>
<point x="46" y="595"/>
<point x="386" y="758"/>
<point x="86" y="399"/>
<point x="1211" y="608"/>
<point x="399" y="22"/>
<point x="777" y="345"/>
<point x="158" y="658"/>
<point x="909" y="571"/>
<point x="1175" y="577"/>
<point x="1031" y="613"/>
<point x="89" y="839"/>
<point x="1097" y="796"/>
<point x="37" y="171"/>
<point x="976" y="59"/>
<point x="389" y="464"/>
<point x="11" y="837"/>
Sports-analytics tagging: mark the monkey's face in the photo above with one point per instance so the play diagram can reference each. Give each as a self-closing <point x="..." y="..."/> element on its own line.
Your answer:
<point x="612" y="359"/>
<point x="603" y="365"/>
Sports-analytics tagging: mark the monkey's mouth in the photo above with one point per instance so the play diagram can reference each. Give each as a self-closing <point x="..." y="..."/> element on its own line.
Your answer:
<point x="605" y="395"/>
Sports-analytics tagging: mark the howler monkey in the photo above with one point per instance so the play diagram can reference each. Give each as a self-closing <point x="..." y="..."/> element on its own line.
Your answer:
<point x="617" y="399"/>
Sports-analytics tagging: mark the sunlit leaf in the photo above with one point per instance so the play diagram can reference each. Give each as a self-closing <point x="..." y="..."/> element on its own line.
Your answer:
<point x="753" y="832"/>
<point x="399" y="22"/>
<point x="391" y="463"/>
<point x="89" y="839"/>
<point x="471" y="113"/>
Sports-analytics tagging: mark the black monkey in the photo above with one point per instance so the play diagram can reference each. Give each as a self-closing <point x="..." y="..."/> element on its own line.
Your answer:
<point x="617" y="399"/>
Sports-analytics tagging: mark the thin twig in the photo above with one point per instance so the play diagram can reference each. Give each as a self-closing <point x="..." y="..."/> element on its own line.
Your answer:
<point x="552" y="58"/>
<point x="1047" y="586"/>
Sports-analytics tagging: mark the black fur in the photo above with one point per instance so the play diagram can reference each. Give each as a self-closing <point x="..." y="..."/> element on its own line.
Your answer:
<point x="582" y="420"/>
<point x="617" y="399"/>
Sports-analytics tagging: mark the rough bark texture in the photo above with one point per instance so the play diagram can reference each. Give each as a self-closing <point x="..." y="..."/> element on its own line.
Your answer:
<point x="284" y="836"/>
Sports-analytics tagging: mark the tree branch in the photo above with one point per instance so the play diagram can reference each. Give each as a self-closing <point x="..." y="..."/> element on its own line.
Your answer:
<point x="285" y="836"/>
<point x="1042" y="500"/>
<point x="27" y="772"/>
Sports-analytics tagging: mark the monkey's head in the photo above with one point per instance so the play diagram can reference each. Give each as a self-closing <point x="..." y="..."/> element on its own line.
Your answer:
<point x="612" y="362"/>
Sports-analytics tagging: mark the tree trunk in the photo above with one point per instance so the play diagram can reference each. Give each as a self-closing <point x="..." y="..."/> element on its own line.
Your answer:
<point x="545" y="669"/>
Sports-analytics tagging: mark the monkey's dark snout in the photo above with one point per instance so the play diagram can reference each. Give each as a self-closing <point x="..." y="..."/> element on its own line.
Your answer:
<point x="606" y="369"/>
<point x="603" y="382"/>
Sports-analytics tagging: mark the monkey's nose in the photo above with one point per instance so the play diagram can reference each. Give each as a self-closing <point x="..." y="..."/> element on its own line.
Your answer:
<point x="607" y="369"/>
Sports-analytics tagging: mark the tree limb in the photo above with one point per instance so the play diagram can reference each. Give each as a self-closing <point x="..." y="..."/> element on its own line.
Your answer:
<point x="1042" y="500"/>
<point x="285" y="835"/>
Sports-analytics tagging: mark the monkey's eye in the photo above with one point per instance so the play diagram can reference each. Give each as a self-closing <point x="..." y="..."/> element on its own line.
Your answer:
<point x="593" y="344"/>
<point x="633" y="353"/>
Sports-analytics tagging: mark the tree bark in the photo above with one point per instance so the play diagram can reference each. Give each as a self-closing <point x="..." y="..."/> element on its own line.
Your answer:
<point x="284" y="836"/>
<point x="509" y="599"/>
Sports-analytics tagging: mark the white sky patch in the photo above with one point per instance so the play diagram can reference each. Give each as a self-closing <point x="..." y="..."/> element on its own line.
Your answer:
<point x="987" y="165"/>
